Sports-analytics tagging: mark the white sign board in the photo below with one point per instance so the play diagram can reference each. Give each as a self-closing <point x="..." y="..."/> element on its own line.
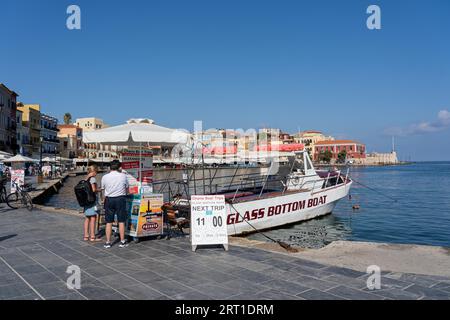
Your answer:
<point x="208" y="221"/>
<point x="18" y="177"/>
<point x="138" y="165"/>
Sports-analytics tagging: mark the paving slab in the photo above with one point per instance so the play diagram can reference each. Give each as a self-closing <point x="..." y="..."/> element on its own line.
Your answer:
<point x="314" y="294"/>
<point x="141" y="292"/>
<point x="353" y="294"/>
<point x="36" y="260"/>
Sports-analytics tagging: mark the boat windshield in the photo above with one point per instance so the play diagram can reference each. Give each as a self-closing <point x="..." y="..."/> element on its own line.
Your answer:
<point x="299" y="165"/>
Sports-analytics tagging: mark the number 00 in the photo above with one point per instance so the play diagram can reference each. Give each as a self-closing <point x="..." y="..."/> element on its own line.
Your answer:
<point x="217" y="221"/>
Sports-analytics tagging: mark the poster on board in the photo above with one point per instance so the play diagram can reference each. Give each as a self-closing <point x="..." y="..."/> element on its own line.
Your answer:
<point x="145" y="215"/>
<point x="138" y="165"/>
<point x="18" y="176"/>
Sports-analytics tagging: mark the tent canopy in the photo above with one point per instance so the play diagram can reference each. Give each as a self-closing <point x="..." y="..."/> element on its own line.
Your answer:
<point x="20" y="158"/>
<point x="137" y="132"/>
<point x="5" y="155"/>
<point x="48" y="159"/>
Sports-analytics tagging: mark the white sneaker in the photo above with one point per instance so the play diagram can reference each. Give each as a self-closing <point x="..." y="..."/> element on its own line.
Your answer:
<point x="123" y="244"/>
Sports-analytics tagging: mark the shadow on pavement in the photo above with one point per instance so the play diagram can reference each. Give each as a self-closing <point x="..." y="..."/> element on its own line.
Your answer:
<point x="7" y="237"/>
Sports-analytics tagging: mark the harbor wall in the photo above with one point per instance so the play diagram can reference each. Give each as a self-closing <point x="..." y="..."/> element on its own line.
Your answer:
<point x="379" y="159"/>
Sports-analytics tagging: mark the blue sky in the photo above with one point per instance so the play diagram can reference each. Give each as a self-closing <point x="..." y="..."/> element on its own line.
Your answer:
<point x="241" y="64"/>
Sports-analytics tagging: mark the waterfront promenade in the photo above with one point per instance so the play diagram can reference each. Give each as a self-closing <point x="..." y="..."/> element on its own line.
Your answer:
<point x="36" y="248"/>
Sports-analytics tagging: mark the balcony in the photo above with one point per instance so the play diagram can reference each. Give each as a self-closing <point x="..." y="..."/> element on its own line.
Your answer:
<point x="48" y="127"/>
<point x="51" y="140"/>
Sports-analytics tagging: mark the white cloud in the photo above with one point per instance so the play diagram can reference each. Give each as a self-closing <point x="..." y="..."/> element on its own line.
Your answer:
<point x="442" y="123"/>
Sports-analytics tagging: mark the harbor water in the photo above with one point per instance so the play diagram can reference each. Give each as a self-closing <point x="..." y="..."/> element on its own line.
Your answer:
<point x="420" y="213"/>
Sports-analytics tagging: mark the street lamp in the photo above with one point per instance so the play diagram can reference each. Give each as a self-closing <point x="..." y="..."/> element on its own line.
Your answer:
<point x="41" y="139"/>
<point x="56" y="162"/>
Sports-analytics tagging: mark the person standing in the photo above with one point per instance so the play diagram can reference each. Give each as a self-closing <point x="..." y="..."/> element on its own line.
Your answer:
<point x="91" y="211"/>
<point x="115" y="187"/>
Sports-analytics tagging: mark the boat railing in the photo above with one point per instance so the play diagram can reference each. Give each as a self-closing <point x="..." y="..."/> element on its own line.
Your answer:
<point x="312" y="185"/>
<point x="213" y="183"/>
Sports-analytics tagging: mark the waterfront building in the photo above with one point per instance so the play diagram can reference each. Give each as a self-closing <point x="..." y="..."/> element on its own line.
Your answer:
<point x="376" y="158"/>
<point x="31" y="119"/>
<point x="49" y="134"/>
<point x="309" y="139"/>
<point x="71" y="141"/>
<point x="90" y="124"/>
<point x="8" y="126"/>
<point x="92" y="151"/>
<point x="269" y="136"/>
<point x="219" y="141"/>
<point x="353" y="150"/>
<point x="286" y="138"/>
<point x="23" y="134"/>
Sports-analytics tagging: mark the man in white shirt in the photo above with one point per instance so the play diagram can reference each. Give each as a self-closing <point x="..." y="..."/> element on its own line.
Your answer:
<point x="115" y="187"/>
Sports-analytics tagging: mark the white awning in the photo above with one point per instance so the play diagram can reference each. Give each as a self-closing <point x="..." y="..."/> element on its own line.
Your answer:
<point x="48" y="159"/>
<point x="137" y="132"/>
<point x="20" y="158"/>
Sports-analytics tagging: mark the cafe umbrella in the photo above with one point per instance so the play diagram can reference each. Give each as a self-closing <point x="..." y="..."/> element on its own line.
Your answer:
<point x="19" y="158"/>
<point x="138" y="133"/>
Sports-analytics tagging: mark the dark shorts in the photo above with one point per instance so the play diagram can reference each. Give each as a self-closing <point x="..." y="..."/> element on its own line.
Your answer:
<point x="116" y="206"/>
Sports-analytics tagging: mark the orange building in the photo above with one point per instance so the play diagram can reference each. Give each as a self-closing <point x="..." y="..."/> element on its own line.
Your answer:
<point x="353" y="149"/>
<point x="71" y="140"/>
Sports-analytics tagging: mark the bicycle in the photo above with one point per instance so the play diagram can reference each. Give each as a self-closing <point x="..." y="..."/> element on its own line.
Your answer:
<point x="3" y="192"/>
<point x="19" y="199"/>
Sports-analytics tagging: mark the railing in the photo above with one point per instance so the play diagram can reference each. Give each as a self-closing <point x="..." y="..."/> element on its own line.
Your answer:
<point x="50" y="127"/>
<point x="192" y="184"/>
<point x="234" y="182"/>
<point x="51" y="140"/>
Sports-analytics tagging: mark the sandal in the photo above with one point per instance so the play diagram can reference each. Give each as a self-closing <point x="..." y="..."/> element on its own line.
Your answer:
<point x="95" y="240"/>
<point x="86" y="239"/>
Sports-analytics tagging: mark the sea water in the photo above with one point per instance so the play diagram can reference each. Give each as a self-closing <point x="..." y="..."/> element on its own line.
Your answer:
<point x="420" y="213"/>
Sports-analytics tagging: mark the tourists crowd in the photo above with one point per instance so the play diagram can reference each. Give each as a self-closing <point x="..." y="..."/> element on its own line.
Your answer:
<point x="112" y="191"/>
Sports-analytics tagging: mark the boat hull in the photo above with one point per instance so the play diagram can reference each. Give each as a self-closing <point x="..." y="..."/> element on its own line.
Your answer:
<point x="260" y="214"/>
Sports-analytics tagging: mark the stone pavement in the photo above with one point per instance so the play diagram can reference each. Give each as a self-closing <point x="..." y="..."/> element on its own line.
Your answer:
<point x="36" y="248"/>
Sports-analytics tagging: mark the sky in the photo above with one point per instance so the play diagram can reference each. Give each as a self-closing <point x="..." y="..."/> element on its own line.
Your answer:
<point x="295" y="65"/>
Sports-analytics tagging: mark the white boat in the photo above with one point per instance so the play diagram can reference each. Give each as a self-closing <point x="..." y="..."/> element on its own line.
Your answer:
<point x="306" y="194"/>
<point x="257" y="203"/>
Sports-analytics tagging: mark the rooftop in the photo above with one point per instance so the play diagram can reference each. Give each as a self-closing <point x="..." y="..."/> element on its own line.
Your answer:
<point x="67" y="126"/>
<point x="311" y="131"/>
<point x="8" y="90"/>
<point x="334" y="142"/>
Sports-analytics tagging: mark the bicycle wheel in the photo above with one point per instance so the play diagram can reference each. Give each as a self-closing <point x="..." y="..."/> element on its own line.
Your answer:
<point x="14" y="200"/>
<point x="27" y="201"/>
<point x="3" y="195"/>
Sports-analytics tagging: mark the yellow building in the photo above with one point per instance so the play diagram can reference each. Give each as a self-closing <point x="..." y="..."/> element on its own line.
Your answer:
<point x="90" y="124"/>
<point x="31" y="118"/>
<point x="309" y="139"/>
<point x="94" y="151"/>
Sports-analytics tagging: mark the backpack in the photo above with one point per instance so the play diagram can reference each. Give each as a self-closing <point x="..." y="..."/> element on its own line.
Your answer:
<point x="86" y="197"/>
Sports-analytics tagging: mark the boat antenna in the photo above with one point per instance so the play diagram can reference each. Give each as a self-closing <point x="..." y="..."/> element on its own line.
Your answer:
<point x="282" y="244"/>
